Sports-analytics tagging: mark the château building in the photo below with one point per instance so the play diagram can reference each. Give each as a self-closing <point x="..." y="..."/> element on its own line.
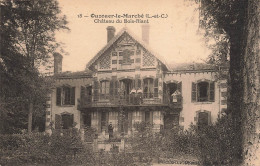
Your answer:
<point x="127" y="83"/>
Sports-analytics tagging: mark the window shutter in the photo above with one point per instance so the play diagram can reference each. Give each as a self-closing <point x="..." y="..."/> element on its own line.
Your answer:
<point x="179" y="87"/>
<point x="95" y="90"/>
<point x="71" y="120"/>
<point x="194" y="92"/>
<point x="72" y="96"/>
<point x="58" y="96"/>
<point x="116" y="87"/>
<point x="139" y="84"/>
<point x="133" y="84"/>
<point x="136" y="83"/>
<point x="165" y="88"/>
<point x="156" y="87"/>
<point x="82" y="92"/>
<point x="83" y="95"/>
<point x="212" y="91"/>
<point x="145" y="85"/>
<point x="57" y="121"/>
<point x="111" y="88"/>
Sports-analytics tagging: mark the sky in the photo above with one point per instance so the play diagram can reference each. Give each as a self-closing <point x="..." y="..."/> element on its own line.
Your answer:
<point x="175" y="38"/>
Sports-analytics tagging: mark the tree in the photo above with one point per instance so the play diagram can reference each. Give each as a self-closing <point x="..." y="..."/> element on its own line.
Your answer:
<point x="251" y="85"/>
<point x="28" y="38"/>
<point x="239" y="21"/>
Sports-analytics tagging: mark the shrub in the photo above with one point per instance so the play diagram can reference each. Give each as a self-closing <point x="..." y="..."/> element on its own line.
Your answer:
<point x="219" y="144"/>
<point x="89" y="134"/>
<point x="178" y="142"/>
<point x="21" y="148"/>
<point x="114" y="158"/>
<point x="58" y="149"/>
<point x="145" y="143"/>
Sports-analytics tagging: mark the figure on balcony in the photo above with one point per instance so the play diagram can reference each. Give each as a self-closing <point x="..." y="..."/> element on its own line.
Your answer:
<point x="133" y="96"/>
<point x="175" y="96"/>
<point x="110" y="130"/>
<point x="139" y="96"/>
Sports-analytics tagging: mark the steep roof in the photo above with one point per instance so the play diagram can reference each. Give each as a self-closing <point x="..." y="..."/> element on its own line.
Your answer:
<point x="116" y="37"/>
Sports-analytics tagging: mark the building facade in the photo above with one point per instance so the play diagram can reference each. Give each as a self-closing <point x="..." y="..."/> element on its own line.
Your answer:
<point x="127" y="83"/>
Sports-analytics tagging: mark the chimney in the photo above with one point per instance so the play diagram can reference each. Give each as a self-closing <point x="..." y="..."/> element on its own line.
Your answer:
<point x="145" y="33"/>
<point x="110" y="32"/>
<point x="57" y="63"/>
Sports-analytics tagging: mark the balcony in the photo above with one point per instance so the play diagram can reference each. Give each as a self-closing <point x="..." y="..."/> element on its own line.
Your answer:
<point x="141" y="99"/>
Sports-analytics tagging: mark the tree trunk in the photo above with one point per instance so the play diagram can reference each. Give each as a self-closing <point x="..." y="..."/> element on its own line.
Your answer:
<point x="30" y="117"/>
<point x="235" y="90"/>
<point x="251" y="87"/>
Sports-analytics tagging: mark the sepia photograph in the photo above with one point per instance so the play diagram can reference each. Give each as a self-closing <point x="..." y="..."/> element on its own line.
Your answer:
<point x="130" y="83"/>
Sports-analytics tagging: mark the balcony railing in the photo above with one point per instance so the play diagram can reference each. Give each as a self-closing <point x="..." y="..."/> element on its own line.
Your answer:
<point x="130" y="99"/>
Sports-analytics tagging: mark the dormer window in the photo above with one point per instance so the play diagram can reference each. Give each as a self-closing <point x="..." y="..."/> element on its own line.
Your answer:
<point x="203" y="91"/>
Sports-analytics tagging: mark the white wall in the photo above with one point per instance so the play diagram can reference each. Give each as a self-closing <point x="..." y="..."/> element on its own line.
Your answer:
<point x="190" y="108"/>
<point x="72" y="109"/>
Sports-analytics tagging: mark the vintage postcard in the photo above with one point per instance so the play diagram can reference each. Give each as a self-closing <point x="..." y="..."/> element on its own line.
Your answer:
<point x="129" y="82"/>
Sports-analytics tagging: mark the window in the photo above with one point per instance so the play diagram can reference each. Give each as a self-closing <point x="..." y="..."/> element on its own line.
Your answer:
<point x="126" y="86"/>
<point x="127" y="56"/>
<point x="104" y="89"/>
<point x="137" y="116"/>
<point x="64" y="121"/>
<point x="203" y="91"/>
<point x="67" y="93"/>
<point x="203" y="119"/>
<point x="148" y="88"/>
<point x="65" y="96"/>
<point x="156" y="90"/>
<point x="174" y="91"/>
<point x="67" y="121"/>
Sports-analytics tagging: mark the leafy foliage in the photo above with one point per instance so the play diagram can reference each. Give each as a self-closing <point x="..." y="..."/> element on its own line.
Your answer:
<point x="145" y="142"/>
<point x="217" y="143"/>
<point x="169" y="144"/>
<point x="27" y="41"/>
<point x="38" y="148"/>
<point x="177" y="142"/>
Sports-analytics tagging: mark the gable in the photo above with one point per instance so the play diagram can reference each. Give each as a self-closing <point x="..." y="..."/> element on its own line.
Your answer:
<point x="124" y="52"/>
